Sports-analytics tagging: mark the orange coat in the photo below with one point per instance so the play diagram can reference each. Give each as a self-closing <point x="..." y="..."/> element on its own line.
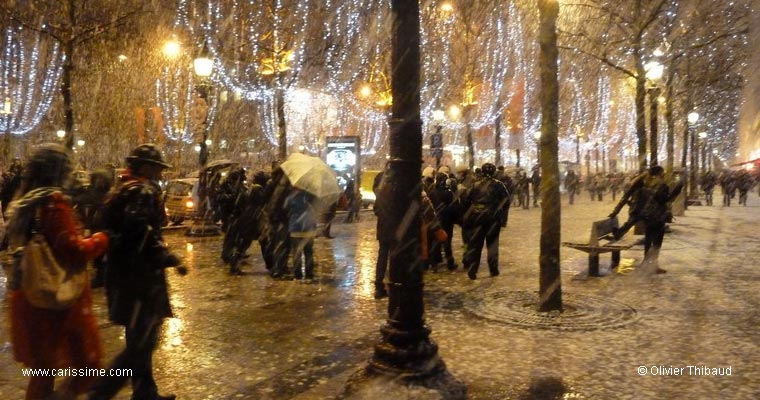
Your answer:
<point x="45" y="338"/>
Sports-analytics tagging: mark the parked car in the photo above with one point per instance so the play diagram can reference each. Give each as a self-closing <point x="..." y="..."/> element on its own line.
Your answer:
<point x="181" y="199"/>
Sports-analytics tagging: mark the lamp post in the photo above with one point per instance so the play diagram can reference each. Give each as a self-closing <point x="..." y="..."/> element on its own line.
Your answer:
<point x="537" y="136"/>
<point x="692" y="118"/>
<point x="204" y="66"/>
<point x="654" y="72"/>
<point x="588" y="163"/>
<point x="406" y="354"/>
<point x="468" y="107"/>
<point x="703" y="150"/>
<point x="202" y="224"/>
<point x="578" y="136"/>
<point x="596" y="157"/>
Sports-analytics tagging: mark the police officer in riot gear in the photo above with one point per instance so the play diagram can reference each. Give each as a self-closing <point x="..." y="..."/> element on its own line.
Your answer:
<point x="486" y="207"/>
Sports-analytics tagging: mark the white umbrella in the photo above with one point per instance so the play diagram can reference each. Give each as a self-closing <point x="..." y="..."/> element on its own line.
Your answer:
<point x="220" y="164"/>
<point x="312" y="175"/>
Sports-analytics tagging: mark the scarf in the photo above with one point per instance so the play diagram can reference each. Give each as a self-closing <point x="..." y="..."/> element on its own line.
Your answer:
<point x="21" y="212"/>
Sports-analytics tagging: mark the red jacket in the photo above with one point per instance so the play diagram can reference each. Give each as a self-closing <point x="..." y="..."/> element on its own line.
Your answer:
<point x="64" y="234"/>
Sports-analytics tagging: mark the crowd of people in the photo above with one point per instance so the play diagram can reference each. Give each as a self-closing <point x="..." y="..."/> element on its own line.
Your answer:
<point x="126" y="228"/>
<point x="116" y="222"/>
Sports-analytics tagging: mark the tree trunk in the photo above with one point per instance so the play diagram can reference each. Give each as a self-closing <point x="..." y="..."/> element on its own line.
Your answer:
<point x="517" y="155"/>
<point x="550" y="282"/>
<point x="641" y="133"/>
<point x="670" y="124"/>
<point x="693" y="189"/>
<point x="497" y="137"/>
<point x="68" y="111"/>
<point x="282" y="134"/>
<point x="470" y="145"/>
<point x="8" y="141"/>
<point x="654" y="93"/>
<point x="68" y="69"/>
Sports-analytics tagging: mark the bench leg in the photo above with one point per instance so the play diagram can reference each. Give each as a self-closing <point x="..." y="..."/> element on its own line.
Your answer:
<point x="593" y="264"/>
<point x="615" y="260"/>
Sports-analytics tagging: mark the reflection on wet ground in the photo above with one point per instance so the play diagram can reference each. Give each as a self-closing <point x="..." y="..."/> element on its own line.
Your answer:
<point x="251" y="337"/>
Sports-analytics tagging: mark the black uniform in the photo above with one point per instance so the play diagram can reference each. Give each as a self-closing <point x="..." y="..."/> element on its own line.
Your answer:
<point x="245" y="228"/>
<point x="486" y="204"/>
<point x="443" y="198"/>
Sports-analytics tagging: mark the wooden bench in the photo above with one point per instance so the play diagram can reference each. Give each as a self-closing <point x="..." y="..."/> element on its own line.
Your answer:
<point x="601" y="241"/>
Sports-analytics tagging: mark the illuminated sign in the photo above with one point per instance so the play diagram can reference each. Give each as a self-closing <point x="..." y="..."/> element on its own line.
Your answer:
<point x="343" y="156"/>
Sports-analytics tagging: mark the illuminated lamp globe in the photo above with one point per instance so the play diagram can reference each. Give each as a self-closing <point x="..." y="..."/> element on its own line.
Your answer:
<point x="203" y="64"/>
<point x="365" y="91"/>
<point x="171" y="49"/>
<point x="455" y="111"/>
<point x="654" y="70"/>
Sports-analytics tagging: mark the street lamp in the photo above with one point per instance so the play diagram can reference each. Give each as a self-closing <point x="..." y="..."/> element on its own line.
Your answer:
<point x="436" y="140"/>
<point x="692" y="118"/>
<point x="596" y="157"/>
<point x="703" y="150"/>
<point x="204" y="66"/>
<point x="654" y="71"/>
<point x="172" y="49"/>
<point x="202" y="224"/>
<point x="455" y="112"/>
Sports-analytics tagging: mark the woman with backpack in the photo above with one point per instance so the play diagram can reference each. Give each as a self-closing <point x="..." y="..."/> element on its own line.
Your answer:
<point x="45" y="337"/>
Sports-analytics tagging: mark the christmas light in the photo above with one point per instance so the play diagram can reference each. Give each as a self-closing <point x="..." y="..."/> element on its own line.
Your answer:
<point x="30" y="70"/>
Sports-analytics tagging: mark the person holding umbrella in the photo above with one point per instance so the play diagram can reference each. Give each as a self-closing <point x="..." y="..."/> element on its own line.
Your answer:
<point x="319" y="185"/>
<point x="301" y="208"/>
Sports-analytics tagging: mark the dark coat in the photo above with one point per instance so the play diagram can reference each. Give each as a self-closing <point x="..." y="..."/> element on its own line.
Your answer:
<point x="275" y="193"/>
<point x="385" y="230"/>
<point x="487" y="202"/>
<point x="137" y="256"/>
<point x="252" y="221"/>
<point x="654" y="198"/>
<point x="443" y="199"/>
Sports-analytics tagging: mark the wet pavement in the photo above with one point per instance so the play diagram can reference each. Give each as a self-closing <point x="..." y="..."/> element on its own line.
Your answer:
<point x="251" y="337"/>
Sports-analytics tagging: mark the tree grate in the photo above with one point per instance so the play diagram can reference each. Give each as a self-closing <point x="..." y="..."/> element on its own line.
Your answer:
<point x="581" y="312"/>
